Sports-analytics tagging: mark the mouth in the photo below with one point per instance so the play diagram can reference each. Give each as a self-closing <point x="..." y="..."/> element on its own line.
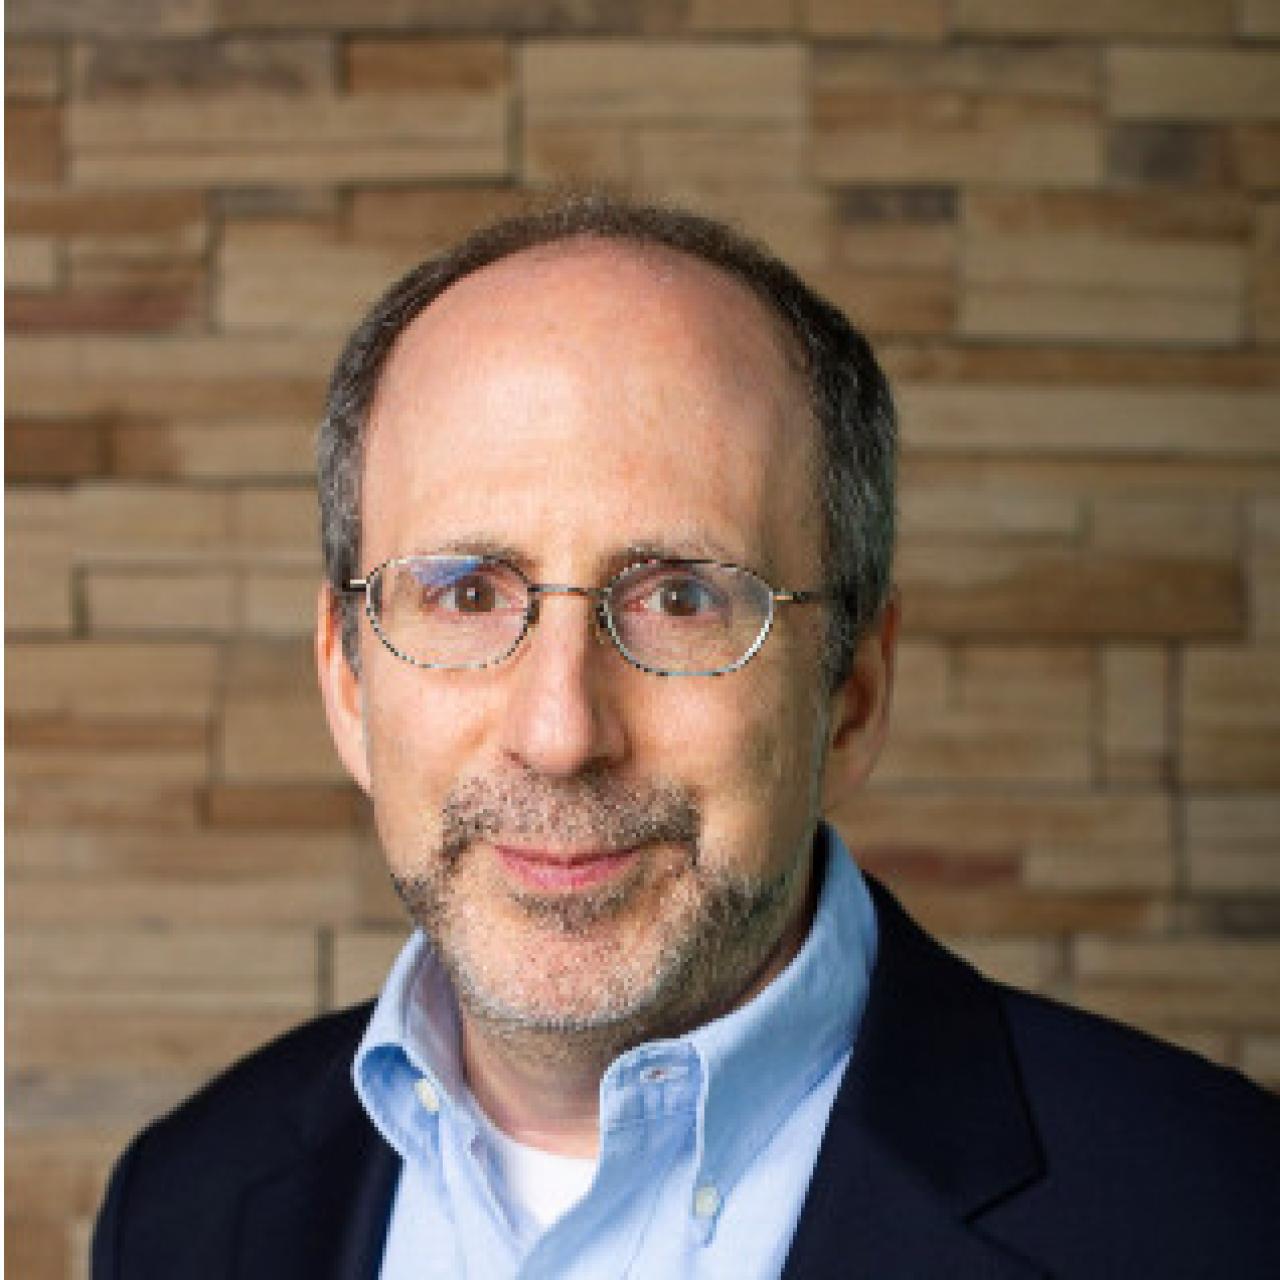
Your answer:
<point x="563" y="871"/>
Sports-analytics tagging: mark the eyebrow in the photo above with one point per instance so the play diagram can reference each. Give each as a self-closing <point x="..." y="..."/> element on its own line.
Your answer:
<point x="695" y="545"/>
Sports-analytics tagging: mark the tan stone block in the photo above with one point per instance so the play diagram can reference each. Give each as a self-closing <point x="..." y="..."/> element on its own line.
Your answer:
<point x="908" y="302"/>
<point x="207" y="857"/>
<point x="1257" y="154"/>
<point x="410" y="65"/>
<point x="725" y="155"/>
<point x="361" y="959"/>
<point x="146" y="1040"/>
<point x="191" y="601"/>
<point x="37" y="552"/>
<point x="36" y="1245"/>
<point x="257" y="901"/>
<point x="1093" y="367"/>
<point x="284" y="807"/>
<point x="101" y="799"/>
<point x="111" y="310"/>
<point x="262" y="376"/>
<point x="616" y="82"/>
<point x="934" y="510"/>
<point x="1032" y="964"/>
<point x="797" y="224"/>
<point x="32" y="70"/>
<point x="1141" y="869"/>
<point x="429" y="220"/>
<point x="298" y="277"/>
<point x="1264" y="566"/>
<point x="1260" y="1059"/>
<point x="980" y="147"/>
<point x="1165" y="219"/>
<point x="277" y="740"/>
<point x="1169" y="153"/>
<point x="1100" y="315"/>
<point x="1095" y="18"/>
<point x="1165" y="269"/>
<point x="269" y="140"/>
<point x="115" y="225"/>
<point x="32" y="143"/>
<point x="556" y="152"/>
<point x="1135" y="713"/>
<point x="148" y="18"/>
<point x="1258" y="18"/>
<point x="1208" y="529"/>
<point x="279" y="602"/>
<point x="1090" y="419"/>
<point x="181" y="971"/>
<point x="59" y="1173"/>
<point x="277" y="526"/>
<point x="988" y="478"/>
<point x="926" y="249"/>
<point x="1011" y="715"/>
<point x="240" y="449"/>
<point x="741" y="16"/>
<point x="1233" y="843"/>
<point x="922" y="86"/>
<point x="497" y="16"/>
<point x="1203" y="982"/>
<point x="971" y="588"/>
<point x="1266" y="274"/>
<point x="30" y="262"/>
<point x="1230" y="716"/>
<point x="94" y="678"/>
<point x="970" y="826"/>
<point x="922" y="679"/>
<point x="1193" y="84"/>
<point x="1017" y="910"/>
<point x="158" y="69"/>
<point x="878" y="19"/>
<point x="150" y="524"/>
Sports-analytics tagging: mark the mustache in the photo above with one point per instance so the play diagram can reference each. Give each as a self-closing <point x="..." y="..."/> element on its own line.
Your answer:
<point x="594" y="810"/>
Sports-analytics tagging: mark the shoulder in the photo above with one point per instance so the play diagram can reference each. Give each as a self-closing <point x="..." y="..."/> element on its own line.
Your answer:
<point x="1093" y="1081"/>
<point x="241" y="1111"/>
<point x="176" y="1190"/>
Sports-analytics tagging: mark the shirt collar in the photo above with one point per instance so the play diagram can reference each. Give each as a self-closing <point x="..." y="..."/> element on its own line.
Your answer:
<point x="755" y="1063"/>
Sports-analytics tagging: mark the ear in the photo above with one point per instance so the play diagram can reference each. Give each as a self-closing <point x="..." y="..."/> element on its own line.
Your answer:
<point x="340" y="688"/>
<point x="860" y="708"/>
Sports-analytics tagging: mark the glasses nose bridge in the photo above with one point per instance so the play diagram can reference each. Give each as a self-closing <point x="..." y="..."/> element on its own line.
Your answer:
<point x="596" y="595"/>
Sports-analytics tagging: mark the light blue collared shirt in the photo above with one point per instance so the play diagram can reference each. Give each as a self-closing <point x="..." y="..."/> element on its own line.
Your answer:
<point x="707" y="1142"/>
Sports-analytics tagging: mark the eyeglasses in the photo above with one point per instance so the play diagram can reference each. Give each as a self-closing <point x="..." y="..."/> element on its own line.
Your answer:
<point x="667" y="617"/>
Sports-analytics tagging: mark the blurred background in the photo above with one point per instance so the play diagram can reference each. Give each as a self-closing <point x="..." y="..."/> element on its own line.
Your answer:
<point x="1060" y="222"/>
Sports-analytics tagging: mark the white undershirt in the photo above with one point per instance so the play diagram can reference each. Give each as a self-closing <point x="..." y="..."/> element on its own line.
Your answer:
<point x="539" y="1184"/>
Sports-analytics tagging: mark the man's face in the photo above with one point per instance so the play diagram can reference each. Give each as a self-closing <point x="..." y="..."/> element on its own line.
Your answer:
<point x="589" y="845"/>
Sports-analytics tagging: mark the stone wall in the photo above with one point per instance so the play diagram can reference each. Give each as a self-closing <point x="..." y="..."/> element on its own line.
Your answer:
<point x="1059" y="221"/>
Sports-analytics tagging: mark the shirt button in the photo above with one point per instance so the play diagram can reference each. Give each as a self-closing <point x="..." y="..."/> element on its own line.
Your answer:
<point x="706" y="1201"/>
<point x="427" y="1095"/>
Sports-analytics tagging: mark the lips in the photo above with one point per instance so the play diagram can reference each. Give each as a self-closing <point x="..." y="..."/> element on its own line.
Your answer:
<point x="563" y="871"/>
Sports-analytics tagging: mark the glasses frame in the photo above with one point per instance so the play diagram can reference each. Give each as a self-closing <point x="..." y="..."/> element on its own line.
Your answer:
<point x="601" y="610"/>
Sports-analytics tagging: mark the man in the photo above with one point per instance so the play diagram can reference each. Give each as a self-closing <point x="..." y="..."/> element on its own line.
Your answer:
<point x="607" y="499"/>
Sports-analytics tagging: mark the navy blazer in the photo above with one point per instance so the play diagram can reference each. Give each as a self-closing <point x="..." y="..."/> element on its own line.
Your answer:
<point x="978" y="1132"/>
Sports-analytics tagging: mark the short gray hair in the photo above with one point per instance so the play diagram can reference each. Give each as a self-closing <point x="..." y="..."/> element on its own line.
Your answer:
<point x="849" y="394"/>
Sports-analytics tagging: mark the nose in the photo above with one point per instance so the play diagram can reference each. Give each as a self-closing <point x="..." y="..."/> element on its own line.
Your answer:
<point x="562" y="716"/>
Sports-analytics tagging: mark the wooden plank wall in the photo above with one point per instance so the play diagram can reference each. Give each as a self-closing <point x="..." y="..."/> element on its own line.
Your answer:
<point x="1061" y="222"/>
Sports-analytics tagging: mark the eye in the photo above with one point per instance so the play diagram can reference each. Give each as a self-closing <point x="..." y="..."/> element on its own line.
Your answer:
<point x="672" y="593"/>
<point x="471" y="590"/>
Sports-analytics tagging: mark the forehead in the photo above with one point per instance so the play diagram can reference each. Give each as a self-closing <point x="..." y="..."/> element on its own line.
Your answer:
<point x="602" y="368"/>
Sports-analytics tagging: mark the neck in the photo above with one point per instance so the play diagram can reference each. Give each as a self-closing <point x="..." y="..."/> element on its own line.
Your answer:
<point x="536" y="1088"/>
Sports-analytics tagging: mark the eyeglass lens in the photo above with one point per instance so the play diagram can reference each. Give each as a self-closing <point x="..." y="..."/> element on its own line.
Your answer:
<point x="667" y="616"/>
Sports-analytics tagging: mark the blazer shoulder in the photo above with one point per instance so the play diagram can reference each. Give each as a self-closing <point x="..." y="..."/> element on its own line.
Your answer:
<point x="1147" y="1123"/>
<point x="184" y="1173"/>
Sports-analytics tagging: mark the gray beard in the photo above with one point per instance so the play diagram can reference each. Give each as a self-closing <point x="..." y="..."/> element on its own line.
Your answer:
<point x="708" y="957"/>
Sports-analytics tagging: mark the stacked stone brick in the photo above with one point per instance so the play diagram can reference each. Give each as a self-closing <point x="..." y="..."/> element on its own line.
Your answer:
<point x="1061" y="224"/>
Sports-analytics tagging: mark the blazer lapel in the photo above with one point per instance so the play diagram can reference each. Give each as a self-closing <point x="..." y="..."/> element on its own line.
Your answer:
<point x="928" y="1128"/>
<point x="324" y="1214"/>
